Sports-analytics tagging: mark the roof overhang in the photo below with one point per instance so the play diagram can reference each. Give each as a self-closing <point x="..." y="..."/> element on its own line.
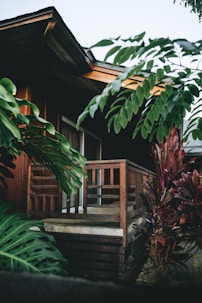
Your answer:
<point x="32" y="35"/>
<point x="107" y="74"/>
<point x="40" y="43"/>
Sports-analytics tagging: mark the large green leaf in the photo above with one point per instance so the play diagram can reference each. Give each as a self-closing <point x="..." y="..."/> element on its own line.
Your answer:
<point x="9" y="86"/>
<point x="10" y="125"/>
<point x="30" y="134"/>
<point x="56" y="155"/>
<point x="25" y="246"/>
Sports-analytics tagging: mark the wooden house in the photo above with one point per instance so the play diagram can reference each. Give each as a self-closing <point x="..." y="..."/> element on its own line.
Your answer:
<point x="100" y="230"/>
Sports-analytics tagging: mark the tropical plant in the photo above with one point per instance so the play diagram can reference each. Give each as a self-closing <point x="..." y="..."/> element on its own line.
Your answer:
<point x="165" y="85"/>
<point x="174" y="206"/>
<point x="24" y="244"/>
<point x="37" y="138"/>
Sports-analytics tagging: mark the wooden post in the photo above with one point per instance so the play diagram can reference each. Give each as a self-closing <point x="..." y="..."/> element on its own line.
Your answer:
<point x="123" y="200"/>
<point x="85" y="180"/>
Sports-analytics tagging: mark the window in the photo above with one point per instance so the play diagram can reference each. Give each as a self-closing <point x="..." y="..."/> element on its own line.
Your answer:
<point x="87" y="144"/>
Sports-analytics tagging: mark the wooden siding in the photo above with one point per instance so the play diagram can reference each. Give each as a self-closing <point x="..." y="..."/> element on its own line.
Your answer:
<point x="91" y="256"/>
<point x="102" y="257"/>
<point x="44" y="193"/>
<point x="17" y="186"/>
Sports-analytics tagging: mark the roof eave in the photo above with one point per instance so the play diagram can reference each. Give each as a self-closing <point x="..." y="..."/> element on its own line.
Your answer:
<point x="51" y="14"/>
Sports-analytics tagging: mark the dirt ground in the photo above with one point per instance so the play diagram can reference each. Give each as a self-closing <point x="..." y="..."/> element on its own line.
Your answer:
<point x="189" y="275"/>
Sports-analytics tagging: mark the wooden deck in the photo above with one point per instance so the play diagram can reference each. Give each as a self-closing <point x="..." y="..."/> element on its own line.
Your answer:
<point x="104" y="229"/>
<point x="96" y="250"/>
<point x="83" y="226"/>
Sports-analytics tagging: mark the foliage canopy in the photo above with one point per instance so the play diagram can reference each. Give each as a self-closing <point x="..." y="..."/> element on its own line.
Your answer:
<point x="174" y="65"/>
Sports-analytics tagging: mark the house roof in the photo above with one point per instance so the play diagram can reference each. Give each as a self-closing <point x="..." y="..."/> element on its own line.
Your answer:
<point x="42" y="39"/>
<point x="31" y="33"/>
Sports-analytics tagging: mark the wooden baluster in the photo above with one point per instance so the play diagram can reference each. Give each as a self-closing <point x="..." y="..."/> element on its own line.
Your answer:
<point x="123" y="199"/>
<point x="52" y="203"/>
<point x="85" y="181"/>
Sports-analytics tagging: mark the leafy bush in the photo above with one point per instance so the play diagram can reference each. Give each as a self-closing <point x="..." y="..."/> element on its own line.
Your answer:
<point x="174" y="205"/>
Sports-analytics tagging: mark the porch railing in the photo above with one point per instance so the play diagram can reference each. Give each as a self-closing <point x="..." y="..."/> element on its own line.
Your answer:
<point x="114" y="187"/>
<point x="110" y="193"/>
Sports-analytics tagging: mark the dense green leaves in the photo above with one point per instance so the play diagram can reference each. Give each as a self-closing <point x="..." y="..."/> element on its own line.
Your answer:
<point x="24" y="245"/>
<point x="166" y="81"/>
<point x="38" y="138"/>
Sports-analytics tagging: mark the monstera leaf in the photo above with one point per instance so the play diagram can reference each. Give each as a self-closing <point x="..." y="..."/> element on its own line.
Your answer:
<point x="25" y="246"/>
<point x="36" y="137"/>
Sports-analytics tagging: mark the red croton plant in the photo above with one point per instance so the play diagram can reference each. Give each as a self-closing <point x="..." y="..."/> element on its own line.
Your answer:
<point x="175" y="206"/>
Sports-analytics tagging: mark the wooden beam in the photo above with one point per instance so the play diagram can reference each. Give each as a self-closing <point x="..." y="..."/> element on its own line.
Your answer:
<point x="22" y="20"/>
<point x="107" y="75"/>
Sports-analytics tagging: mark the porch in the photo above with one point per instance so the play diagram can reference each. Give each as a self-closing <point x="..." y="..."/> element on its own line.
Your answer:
<point x="99" y="228"/>
<point x="110" y="195"/>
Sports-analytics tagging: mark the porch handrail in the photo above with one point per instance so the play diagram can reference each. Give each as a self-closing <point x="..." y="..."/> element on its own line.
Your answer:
<point x="130" y="184"/>
<point x="111" y="193"/>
